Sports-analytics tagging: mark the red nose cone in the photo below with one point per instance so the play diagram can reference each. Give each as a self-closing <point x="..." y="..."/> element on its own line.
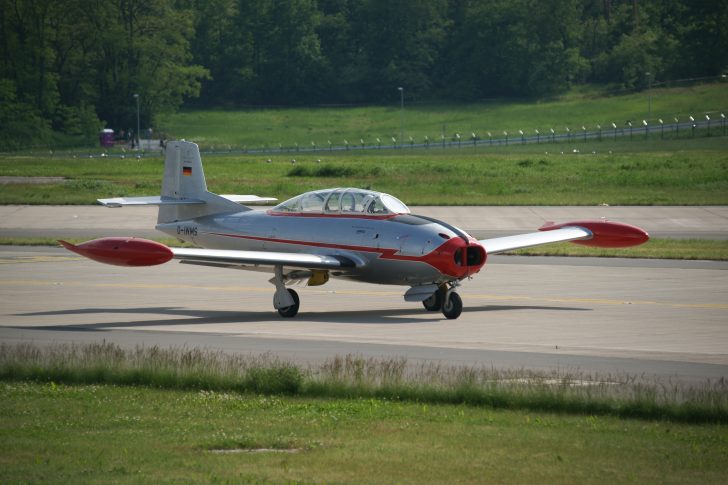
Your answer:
<point x="122" y="251"/>
<point x="457" y="258"/>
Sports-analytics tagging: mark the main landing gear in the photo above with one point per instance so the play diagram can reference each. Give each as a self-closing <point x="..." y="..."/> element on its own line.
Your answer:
<point x="446" y="300"/>
<point x="290" y="311"/>
<point x="285" y="300"/>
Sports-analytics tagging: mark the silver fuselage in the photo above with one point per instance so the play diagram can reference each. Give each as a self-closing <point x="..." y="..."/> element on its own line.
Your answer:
<point x="393" y="249"/>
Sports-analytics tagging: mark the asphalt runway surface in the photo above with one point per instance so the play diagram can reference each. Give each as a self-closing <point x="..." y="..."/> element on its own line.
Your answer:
<point x="667" y="319"/>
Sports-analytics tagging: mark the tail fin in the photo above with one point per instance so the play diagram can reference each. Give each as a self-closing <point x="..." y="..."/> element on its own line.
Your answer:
<point x="183" y="174"/>
<point x="184" y="181"/>
<point x="184" y="191"/>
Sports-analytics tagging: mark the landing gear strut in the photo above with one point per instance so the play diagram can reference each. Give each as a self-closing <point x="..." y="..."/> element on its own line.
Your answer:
<point x="434" y="302"/>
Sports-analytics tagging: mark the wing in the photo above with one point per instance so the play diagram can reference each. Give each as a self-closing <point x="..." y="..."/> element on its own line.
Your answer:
<point x="226" y="258"/>
<point x="601" y="234"/>
<point x="509" y="243"/>
<point x="129" y="251"/>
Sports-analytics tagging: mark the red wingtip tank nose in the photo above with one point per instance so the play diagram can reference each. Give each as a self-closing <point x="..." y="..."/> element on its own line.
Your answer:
<point x="122" y="251"/>
<point x="606" y="234"/>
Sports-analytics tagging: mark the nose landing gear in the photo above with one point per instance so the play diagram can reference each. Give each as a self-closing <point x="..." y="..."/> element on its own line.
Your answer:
<point x="446" y="300"/>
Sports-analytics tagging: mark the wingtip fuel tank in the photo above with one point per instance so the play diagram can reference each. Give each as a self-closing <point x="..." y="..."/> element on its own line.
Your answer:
<point x="605" y="234"/>
<point x="122" y="251"/>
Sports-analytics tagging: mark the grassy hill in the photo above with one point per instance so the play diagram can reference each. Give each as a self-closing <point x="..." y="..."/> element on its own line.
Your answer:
<point x="687" y="169"/>
<point x="272" y="128"/>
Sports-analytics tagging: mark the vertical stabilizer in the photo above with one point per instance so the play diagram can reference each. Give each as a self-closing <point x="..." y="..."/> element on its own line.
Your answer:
<point x="183" y="174"/>
<point x="184" y="179"/>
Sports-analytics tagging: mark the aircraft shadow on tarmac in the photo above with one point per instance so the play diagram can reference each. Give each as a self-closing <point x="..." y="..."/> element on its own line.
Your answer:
<point x="201" y="317"/>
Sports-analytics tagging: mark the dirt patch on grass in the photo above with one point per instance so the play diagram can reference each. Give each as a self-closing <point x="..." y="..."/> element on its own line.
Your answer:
<point x="8" y="180"/>
<point x="254" y="450"/>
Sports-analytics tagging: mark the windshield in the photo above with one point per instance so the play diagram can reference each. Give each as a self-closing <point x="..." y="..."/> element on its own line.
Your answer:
<point x="344" y="201"/>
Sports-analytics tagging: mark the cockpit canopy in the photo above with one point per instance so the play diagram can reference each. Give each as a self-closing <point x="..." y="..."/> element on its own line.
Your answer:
<point x="344" y="201"/>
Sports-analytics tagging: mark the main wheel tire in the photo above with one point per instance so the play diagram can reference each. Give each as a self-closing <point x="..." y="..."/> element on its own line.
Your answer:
<point x="291" y="311"/>
<point x="434" y="302"/>
<point x="453" y="306"/>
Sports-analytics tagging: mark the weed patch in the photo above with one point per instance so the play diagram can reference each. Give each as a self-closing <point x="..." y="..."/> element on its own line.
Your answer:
<point x="358" y="378"/>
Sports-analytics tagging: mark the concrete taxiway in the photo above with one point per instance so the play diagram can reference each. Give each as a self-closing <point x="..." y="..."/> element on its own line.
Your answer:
<point x="702" y="222"/>
<point x="607" y="316"/>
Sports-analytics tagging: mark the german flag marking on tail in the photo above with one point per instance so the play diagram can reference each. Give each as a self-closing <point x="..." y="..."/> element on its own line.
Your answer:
<point x="187" y="171"/>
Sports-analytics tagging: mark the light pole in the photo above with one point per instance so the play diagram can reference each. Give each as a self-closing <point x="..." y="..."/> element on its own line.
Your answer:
<point x="401" y="112"/>
<point x="136" y="96"/>
<point x="649" y="93"/>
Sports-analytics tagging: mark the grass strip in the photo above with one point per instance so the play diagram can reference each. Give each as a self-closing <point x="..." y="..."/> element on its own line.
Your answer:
<point x="355" y="377"/>
<point x="693" y="249"/>
<point x="646" y="172"/>
<point x="53" y="242"/>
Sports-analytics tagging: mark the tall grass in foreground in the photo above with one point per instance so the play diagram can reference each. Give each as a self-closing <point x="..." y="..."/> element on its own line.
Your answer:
<point x="356" y="377"/>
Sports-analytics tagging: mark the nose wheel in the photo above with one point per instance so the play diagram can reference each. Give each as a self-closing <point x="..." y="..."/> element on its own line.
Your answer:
<point x="445" y="300"/>
<point x="453" y="306"/>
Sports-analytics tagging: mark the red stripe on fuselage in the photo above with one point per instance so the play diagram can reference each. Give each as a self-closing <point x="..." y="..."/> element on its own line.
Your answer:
<point x="441" y="258"/>
<point x="367" y="249"/>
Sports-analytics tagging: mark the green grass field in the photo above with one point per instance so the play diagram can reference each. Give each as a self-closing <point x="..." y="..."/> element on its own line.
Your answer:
<point x="98" y="414"/>
<point x="273" y="128"/>
<point x="641" y="172"/>
<point x="106" y="434"/>
<point x="646" y="170"/>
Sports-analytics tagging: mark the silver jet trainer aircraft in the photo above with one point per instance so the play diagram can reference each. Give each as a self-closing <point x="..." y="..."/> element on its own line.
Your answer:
<point x="343" y="232"/>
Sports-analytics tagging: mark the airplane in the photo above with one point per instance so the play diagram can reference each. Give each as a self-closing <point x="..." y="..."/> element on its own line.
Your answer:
<point x="351" y="233"/>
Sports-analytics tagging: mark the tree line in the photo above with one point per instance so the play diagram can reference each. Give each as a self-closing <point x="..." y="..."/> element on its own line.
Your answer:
<point x="68" y="67"/>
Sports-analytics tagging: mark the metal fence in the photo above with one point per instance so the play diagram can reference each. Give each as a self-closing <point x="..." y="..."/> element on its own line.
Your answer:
<point x="707" y="125"/>
<point x="690" y="126"/>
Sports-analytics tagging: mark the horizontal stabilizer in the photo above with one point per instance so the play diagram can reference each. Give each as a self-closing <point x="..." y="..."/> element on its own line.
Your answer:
<point x="153" y="200"/>
<point x="157" y="200"/>
<point x="248" y="199"/>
